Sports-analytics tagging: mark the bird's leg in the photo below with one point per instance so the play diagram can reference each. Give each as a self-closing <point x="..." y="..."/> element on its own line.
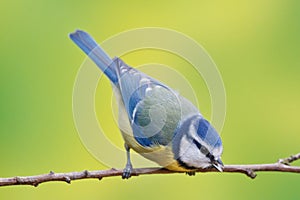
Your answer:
<point x="128" y="168"/>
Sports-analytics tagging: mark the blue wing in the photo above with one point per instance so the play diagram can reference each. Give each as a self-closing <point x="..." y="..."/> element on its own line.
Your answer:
<point x="154" y="110"/>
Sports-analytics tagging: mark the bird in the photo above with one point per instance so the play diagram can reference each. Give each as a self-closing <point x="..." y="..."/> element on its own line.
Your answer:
<point x="154" y="119"/>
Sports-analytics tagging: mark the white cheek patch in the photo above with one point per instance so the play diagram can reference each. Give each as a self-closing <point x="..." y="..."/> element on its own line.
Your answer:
<point x="191" y="155"/>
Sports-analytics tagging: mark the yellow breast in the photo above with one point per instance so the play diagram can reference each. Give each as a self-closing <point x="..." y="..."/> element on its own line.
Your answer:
<point x="162" y="155"/>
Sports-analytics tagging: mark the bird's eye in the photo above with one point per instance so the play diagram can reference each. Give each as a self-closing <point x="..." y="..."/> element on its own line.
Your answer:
<point x="204" y="150"/>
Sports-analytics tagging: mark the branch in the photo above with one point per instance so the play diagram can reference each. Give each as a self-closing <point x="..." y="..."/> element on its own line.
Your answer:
<point x="283" y="165"/>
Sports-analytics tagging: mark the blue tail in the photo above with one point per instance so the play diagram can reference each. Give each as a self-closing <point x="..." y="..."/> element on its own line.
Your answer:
<point x="94" y="51"/>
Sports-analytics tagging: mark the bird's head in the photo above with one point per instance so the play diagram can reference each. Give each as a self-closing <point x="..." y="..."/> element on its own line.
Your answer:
<point x="197" y="144"/>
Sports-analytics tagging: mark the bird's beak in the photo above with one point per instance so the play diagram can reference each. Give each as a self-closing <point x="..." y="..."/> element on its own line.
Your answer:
<point x="218" y="164"/>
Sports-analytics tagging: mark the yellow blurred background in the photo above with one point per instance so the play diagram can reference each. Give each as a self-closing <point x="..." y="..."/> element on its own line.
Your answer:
<point x="255" y="45"/>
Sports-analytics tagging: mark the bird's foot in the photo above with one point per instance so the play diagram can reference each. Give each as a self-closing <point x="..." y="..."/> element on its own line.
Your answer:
<point x="191" y="173"/>
<point x="127" y="172"/>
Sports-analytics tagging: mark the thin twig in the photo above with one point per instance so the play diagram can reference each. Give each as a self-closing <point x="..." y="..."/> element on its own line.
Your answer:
<point x="289" y="160"/>
<point x="283" y="165"/>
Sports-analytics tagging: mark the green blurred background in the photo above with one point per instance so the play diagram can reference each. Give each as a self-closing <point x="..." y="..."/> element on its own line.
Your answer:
<point x="255" y="44"/>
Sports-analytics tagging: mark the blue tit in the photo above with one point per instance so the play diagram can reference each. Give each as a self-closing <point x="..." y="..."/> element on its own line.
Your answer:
<point x="156" y="121"/>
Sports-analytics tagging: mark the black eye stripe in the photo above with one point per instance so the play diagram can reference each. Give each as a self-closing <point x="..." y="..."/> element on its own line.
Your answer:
<point x="210" y="156"/>
<point x="197" y="144"/>
<point x="204" y="150"/>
